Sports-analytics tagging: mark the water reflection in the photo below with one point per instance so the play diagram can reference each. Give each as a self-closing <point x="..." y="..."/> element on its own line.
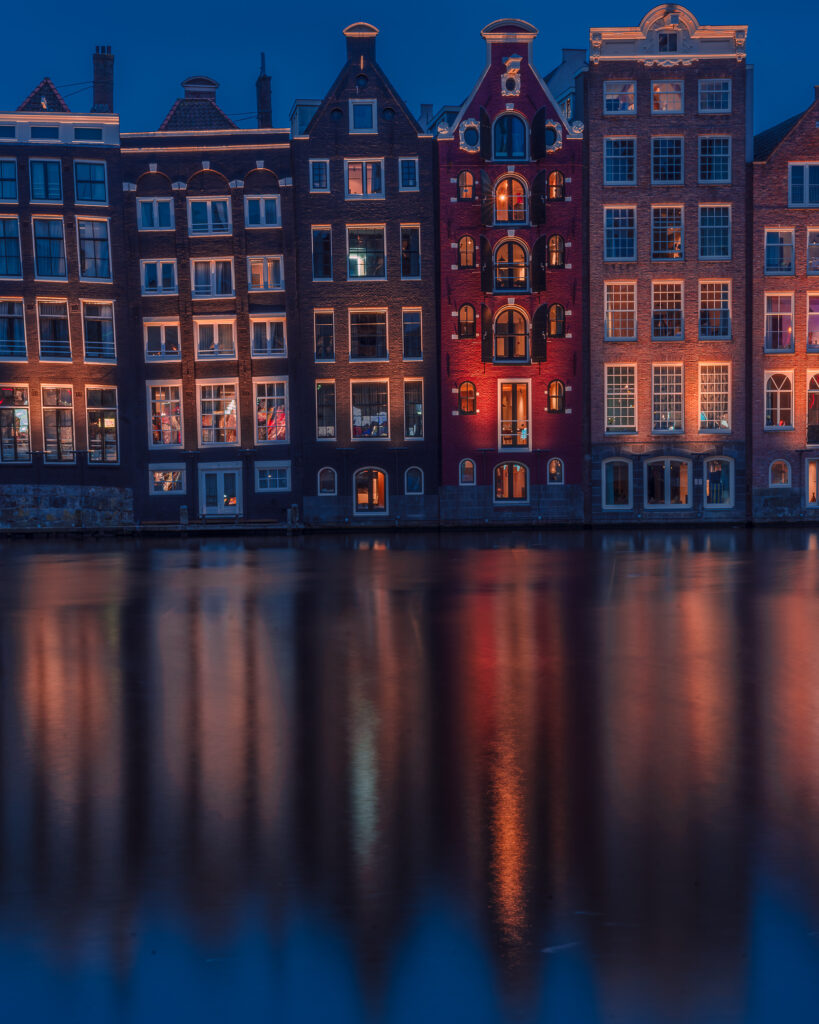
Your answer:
<point x="544" y="777"/>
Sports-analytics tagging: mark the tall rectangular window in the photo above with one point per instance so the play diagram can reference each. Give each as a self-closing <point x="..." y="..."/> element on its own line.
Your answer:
<point x="89" y="182"/>
<point x="155" y="214"/>
<point x="215" y="339"/>
<point x="365" y="178"/>
<point x="667" y="97"/>
<point x="667" y="166"/>
<point x="715" y="159"/>
<point x="322" y="255"/>
<point x="209" y="217"/>
<point x="46" y="181"/>
<point x="101" y="404"/>
<point x="413" y="409"/>
<point x="408" y="174"/>
<point x="271" y="411"/>
<point x="161" y="340"/>
<point x="165" y="401"/>
<point x="813" y="252"/>
<point x="779" y="323"/>
<point x="620" y="233"/>
<point x="49" y="247"/>
<point x="8" y="181"/>
<point x="715" y="232"/>
<point x="618" y="97"/>
<point x="212" y="278"/>
<point x="667" y="398"/>
<point x="779" y="251"/>
<point x="10" y="262"/>
<point x="58" y="424"/>
<point x="813" y="323"/>
<point x="715" y="310"/>
<point x="324" y="333"/>
<point x="514" y="415"/>
<point x="370" y="409"/>
<point x="319" y="175"/>
<point x="54" y="337"/>
<point x="619" y="162"/>
<point x="158" y="277"/>
<point x="12" y="330"/>
<point x="98" y="331"/>
<point x="365" y="253"/>
<point x="621" y="311"/>
<point x="218" y="414"/>
<point x="411" y="329"/>
<point x="368" y="334"/>
<point x="267" y="336"/>
<point x="95" y="259"/>
<point x="715" y="95"/>
<point x="803" y="182"/>
<point x="667" y="310"/>
<point x="715" y="398"/>
<point x="621" y="400"/>
<point x="15" y="429"/>
<point x="325" y="410"/>
<point x="410" y="251"/>
<point x="666" y="232"/>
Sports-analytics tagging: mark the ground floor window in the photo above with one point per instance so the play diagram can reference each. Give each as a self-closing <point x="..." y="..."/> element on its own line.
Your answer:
<point x="511" y="482"/>
<point x="327" y="483"/>
<point x="466" y="473"/>
<point x="813" y="483"/>
<point x="15" y="435"/>
<point x="414" y="481"/>
<point x="58" y="424"/>
<point x="555" y="471"/>
<point x="102" y="425"/>
<point x="617" y="474"/>
<point x="719" y="483"/>
<point x="370" y="490"/>
<point x="166" y="479"/>
<point x="220" y="489"/>
<point x="667" y="483"/>
<point x="272" y="476"/>
<point x="779" y="474"/>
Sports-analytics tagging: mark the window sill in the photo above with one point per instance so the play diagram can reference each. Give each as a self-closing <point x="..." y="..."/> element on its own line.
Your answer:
<point x="778" y="430"/>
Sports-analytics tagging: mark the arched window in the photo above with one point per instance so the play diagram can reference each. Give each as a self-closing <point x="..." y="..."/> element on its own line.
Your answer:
<point x="554" y="471"/>
<point x="327" y="481"/>
<point x="668" y="483"/>
<point x="557" y="396"/>
<point x="370" y="491"/>
<point x="511" y="482"/>
<point x="509" y="138"/>
<point x="617" y="484"/>
<point x="466" y="473"/>
<point x="467" y="398"/>
<point x="779" y="474"/>
<point x="511" y="267"/>
<point x="778" y="401"/>
<point x="511" y="206"/>
<point x="511" y="335"/>
<point x="813" y="410"/>
<point x="414" y="481"/>
<point x="556" y="186"/>
<point x="719" y="483"/>
<point x="466" y="252"/>
<point x="557" y="321"/>
<point x="466" y="321"/>
<point x="557" y="252"/>
<point x="466" y="185"/>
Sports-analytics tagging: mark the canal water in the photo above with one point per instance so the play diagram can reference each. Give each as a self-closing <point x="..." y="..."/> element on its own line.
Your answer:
<point x="495" y="779"/>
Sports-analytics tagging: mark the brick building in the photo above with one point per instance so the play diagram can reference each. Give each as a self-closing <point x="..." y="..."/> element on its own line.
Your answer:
<point x="511" y="212"/>
<point x="668" y="107"/>
<point x="366" y="368"/>
<point x="785" y="319"/>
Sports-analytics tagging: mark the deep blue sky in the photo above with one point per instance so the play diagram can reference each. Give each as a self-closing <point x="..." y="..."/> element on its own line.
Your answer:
<point x="432" y="51"/>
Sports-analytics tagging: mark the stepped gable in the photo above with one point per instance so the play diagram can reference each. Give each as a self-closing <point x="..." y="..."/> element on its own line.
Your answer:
<point x="197" y="110"/>
<point x="45" y="97"/>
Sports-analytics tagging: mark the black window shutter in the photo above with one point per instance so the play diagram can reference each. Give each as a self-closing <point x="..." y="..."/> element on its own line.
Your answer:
<point x="539" y="331"/>
<point x="539" y="265"/>
<point x="486" y="334"/>
<point x="539" y="198"/>
<point x="486" y="265"/>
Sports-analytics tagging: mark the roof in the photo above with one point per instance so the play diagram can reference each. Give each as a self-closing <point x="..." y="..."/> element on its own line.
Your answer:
<point x="766" y="142"/>
<point x="195" y="114"/>
<point x="45" y="97"/>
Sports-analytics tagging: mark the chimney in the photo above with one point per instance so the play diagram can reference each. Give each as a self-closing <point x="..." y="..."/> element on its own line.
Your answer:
<point x="264" y="103"/>
<point x="103" y="61"/>
<point x="361" y="42"/>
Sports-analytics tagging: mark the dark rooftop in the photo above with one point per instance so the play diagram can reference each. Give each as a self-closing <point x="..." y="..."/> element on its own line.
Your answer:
<point x="45" y="97"/>
<point x="766" y="142"/>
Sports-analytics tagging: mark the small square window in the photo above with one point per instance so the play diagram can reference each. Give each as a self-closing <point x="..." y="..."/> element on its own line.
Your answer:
<point x="715" y="95"/>
<point x="363" y="116"/>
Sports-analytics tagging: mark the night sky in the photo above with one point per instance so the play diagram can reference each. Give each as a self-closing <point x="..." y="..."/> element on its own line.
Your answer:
<point x="431" y="51"/>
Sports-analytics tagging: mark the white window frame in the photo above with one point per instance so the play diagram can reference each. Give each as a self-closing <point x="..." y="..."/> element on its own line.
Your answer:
<point x="630" y="431"/>
<point x="220" y="467"/>
<point x="797" y="163"/>
<point x="787" y="465"/>
<point x="715" y="430"/>
<point x="620" y="81"/>
<point x="214" y="321"/>
<point x="461" y="482"/>
<point x="15" y="277"/>
<point x="516" y="448"/>
<point x="719" y="281"/>
<point x="709" y="110"/>
<point x="28" y="390"/>
<point x="68" y="387"/>
<point x="210" y="200"/>
<point x="265" y="224"/>
<point x="808" y="502"/>
<point x="619" y="259"/>
<point x="617" y="508"/>
<point x="662" y="281"/>
<point x="45" y="202"/>
<point x="712" y="206"/>
<point x="782" y="231"/>
<point x="162" y="322"/>
<point x="326" y="494"/>
<point x="266" y="287"/>
<point x="268" y="318"/>
<point x="667" y="506"/>
<point x="620" y="138"/>
<point x="24" y="358"/>
<point x="707" y="506"/>
<point x="324" y="310"/>
<point x="715" y="181"/>
<point x="363" y="103"/>
<point x="367" y="440"/>
<point x="677" y="181"/>
<point x="35" y="217"/>
<point x="668" y="81"/>
<point x="774" y="294"/>
<point x="88" y="410"/>
<point x="159" y="289"/>
<point x="420" y="312"/>
<point x="99" y="302"/>
<point x="173" y="383"/>
<point x="92" y="202"/>
<point x="217" y="382"/>
<point x="272" y="380"/>
<point x="632" y="285"/>
<point x="276" y="464"/>
<point x="14" y="162"/>
<point x="657" y="430"/>
<point x="811" y="231"/>
<point x="668" y="259"/>
<point x="167" y="467"/>
<point x="95" y="280"/>
<point x="776" y="372"/>
<point x="402" y="228"/>
<point x="213" y="262"/>
<point x="154" y="202"/>
<point x="52" y="359"/>
<point x="409" y="188"/>
<point x="364" y="195"/>
<point x="423" y="434"/>
<point x="414" y="494"/>
<point x="326" y="162"/>
<point x="808" y="297"/>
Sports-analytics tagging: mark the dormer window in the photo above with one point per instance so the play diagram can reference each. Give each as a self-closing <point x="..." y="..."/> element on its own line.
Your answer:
<point x="509" y="138"/>
<point x="668" y="42"/>
<point x="363" y="116"/>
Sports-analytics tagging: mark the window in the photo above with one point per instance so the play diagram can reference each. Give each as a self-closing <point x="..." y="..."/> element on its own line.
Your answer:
<point x="719" y="490"/>
<point x="813" y="410"/>
<point x="58" y="424"/>
<point x="511" y="335"/>
<point x="715" y="159"/>
<point x="411" y="331"/>
<point x="466" y="321"/>
<point x="621" y="311"/>
<point x="209" y="217"/>
<point x="812" y="496"/>
<point x="49" y="248"/>
<point x="511" y="205"/>
<point x="803" y="185"/>
<point x="667" y="483"/>
<point x="620" y="233"/>
<point x="466" y="253"/>
<point x="220" y="489"/>
<point x="327" y="481"/>
<point x="55" y="342"/>
<point x="557" y="253"/>
<point x="813" y="252"/>
<point x="667" y="310"/>
<point x="666" y="398"/>
<point x="511" y="267"/>
<point x="319" y="175"/>
<point x="365" y="253"/>
<point x="779" y="323"/>
<point x="322" y="255"/>
<point x="12" y="330"/>
<point x="46" y="181"/>
<point x="212" y="278"/>
<point x="715" y="95"/>
<point x="15" y="431"/>
<point x="621" y="400"/>
<point x="264" y="273"/>
<point x="218" y="419"/>
<point x="556" y="186"/>
<point x="89" y="182"/>
<point x="408" y="174"/>
<point x="813" y="322"/>
<point x="161" y="340"/>
<point x="414" y="481"/>
<point x="667" y="97"/>
<point x="370" y="490"/>
<point x="159" y="277"/>
<point x="413" y="409"/>
<point x="511" y="482"/>
<point x="368" y="334"/>
<point x="667" y="167"/>
<point x="325" y="410"/>
<point x="618" y="97"/>
<point x="363" y="116"/>
<point x="667" y="42"/>
<point x="410" y="251"/>
<point x="619" y="163"/>
<point x="715" y="232"/>
<point x="779" y="474"/>
<point x="778" y="401"/>
<point x="267" y="336"/>
<point x="370" y="409"/>
<point x="10" y="262"/>
<point x="324" y="333"/>
<point x="466" y="473"/>
<point x="779" y="251"/>
<point x="271" y="411"/>
<point x="365" y="178"/>
<point x="616" y="484"/>
<point x="155" y="214"/>
<point x="715" y="396"/>
<point x="715" y="310"/>
<point x="666" y="232"/>
<point x="8" y="181"/>
<point x="101" y="406"/>
<point x="272" y="476"/>
<point x="42" y="132"/>
<point x="557" y="321"/>
<point x="509" y="138"/>
<point x="98" y="331"/>
<point x="514" y="415"/>
<point x="557" y="396"/>
<point x="215" y="339"/>
<point x="95" y="261"/>
<point x="466" y="185"/>
<point x="168" y="479"/>
<point x="467" y="400"/>
<point x="165" y="410"/>
<point x="262" y="212"/>
<point x="554" y="471"/>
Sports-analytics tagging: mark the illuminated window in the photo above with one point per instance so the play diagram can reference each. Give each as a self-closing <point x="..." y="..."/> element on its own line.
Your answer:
<point x="778" y="401"/>
<point x="509" y="138"/>
<point x="466" y="253"/>
<point x="218" y="414"/>
<point x="58" y="424"/>
<point x="514" y="415"/>
<point x="155" y="214"/>
<point x="618" y="97"/>
<point x="715" y="397"/>
<point x="557" y="396"/>
<point x="718" y="483"/>
<point x="466" y="185"/>
<point x="365" y="178"/>
<point x="165" y="415"/>
<point x="166" y="479"/>
<point x="666" y="232"/>
<point x="101" y="407"/>
<point x="779" y="251"/>
<point x="557" y="321"/>
<point x="327" y="481"/>
<point x="271" y="411"/>
<point x="466" y="473"/>
<point x="779" y="323"/>
<point x="89" y="182"/>
<point x="365" y="253"/>
<point x="511" y="267"/>
<point x="666" y="398"/>
<point x="15" y="430"/>
<point x="616" y="481"/>
<point x="158" y="277"/>
<point x="557" y="252"/>
<point x="264" y="273"/>
<point x="554" y="471"/>
<point x="511" y="335"/>
<point x="812" y="496"/>
<point x="262" y="212"/>
<point x="813" y="322"/>
<point x="211" y="278"/>
<point x="10" y="262"/>
<point x="813" y="410"/>
<point x="779" y="474"/>
<point x="467" y="401"/>
<point x="511" y="483"/>
<point x="510" y="202"/>
<point x="667" y="483"/>
<point x="621" y="311"/>
<point x="370" y="491"/>
<point x="666" y="310"/>
<point x="667" y="97"/>
<point x="715" y="310"/>
<point x="220" y="489"/>
<point x="414" y="480"/>
<point x="209" y="217"/>
<point x="466" y="321"/>
<point x="556" y="187"/>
